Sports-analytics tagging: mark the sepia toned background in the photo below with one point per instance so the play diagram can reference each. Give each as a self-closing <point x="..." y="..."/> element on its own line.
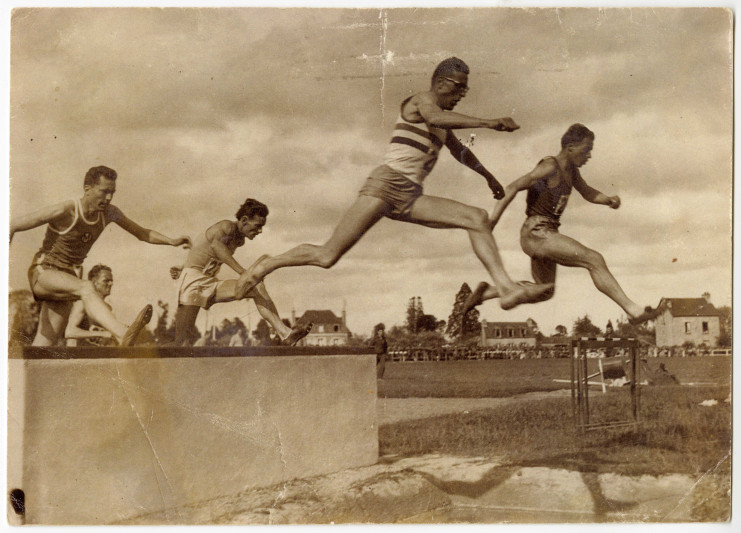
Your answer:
<point x="198" y="109"/>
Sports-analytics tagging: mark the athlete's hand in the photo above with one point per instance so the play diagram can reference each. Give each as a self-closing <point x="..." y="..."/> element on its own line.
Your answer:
<point x="613" y="202"/>
<point x="504" y="124"/>
<point x="184" y="241"/>
<point x="175" y="272"/>
<point x="496" y="188"/>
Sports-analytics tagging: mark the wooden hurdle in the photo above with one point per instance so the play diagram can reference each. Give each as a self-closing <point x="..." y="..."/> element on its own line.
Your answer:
<point x="580" y="381"/>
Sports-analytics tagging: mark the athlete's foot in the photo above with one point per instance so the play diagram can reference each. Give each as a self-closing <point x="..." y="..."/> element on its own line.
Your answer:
<point x="252" y="276"/>
<point x="298" y="332"/>
<point x="141" y="320"/>
<point x="649" y="313"/>
<point x="525" y="292"/>
<point x="475" y="299"/>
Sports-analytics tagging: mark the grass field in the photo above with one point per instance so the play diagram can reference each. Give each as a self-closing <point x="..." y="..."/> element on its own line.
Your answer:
<point x="676" y="433"/>
<point x="502" y="378"/>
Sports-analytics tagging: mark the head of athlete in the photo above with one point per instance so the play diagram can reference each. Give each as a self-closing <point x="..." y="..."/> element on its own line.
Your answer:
<point x="102" y="278"/>
<point x="450" y="82"/>
<point x="99" y="187"/>
<point x="578" y="142"/>
<point x="251" y="217"/>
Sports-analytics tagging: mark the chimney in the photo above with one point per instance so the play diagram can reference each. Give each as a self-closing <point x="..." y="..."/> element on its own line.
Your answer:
<point x="293" y="316"/>
<point x="706" y="296"/>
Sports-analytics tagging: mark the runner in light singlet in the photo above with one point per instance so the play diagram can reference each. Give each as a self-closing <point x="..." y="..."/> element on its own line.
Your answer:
<point x="548" y="187"/>
<point x="54" y="275"/>
<point x="394" y="189"/>
<point x="199" y="287"/>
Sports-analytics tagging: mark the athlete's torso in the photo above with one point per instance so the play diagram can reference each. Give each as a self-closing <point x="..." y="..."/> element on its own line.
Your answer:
<point x="547" y="201"/>
<point x="202" y="256"/>
<point x="414" y="147"/>
<point x="67" y="247"/>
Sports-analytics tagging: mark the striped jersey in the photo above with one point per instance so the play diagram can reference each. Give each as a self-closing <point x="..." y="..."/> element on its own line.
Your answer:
<point x="414" y="148"/>
<point x="550" y="202"/>
<point x="69" y="247"/>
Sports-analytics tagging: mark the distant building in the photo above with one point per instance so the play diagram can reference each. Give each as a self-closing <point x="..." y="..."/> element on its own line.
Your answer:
<point x="687" y="319"/>
<point x="328" y="330"/>
<point x="500" y="333"/>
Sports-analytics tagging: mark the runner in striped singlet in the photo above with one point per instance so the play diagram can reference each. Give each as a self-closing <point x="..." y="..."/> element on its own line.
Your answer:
<point x="54" y="275"/>
<point x="394" y="189"/>
<point x="548" y="188"/>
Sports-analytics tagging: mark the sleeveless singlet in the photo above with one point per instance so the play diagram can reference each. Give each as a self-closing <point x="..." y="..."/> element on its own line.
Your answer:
<point x="202" y="258"/>
<point x="414" y="148"/>
<point x="549" y="202"/>
<point x="69" y="247"/>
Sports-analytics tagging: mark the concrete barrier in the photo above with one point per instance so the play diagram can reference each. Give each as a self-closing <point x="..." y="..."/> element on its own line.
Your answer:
<point x="96" y="436"/>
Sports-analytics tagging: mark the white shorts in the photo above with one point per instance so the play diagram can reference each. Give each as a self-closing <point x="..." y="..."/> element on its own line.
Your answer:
<point x="196" y="288"/>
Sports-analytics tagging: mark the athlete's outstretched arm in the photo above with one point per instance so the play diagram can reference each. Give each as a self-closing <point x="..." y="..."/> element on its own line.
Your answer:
<point x="542" y="170"/>
<point x="465" y="156"/>
<point x="440" y="118"/>
<point x="39" y="217"/>
<point x="216" y="235"/>
<point x="594" y="196"/>
<point x="144" y="234"/>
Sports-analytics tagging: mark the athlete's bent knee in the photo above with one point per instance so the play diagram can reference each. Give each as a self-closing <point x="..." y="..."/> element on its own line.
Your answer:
<point x="478" y="219"/>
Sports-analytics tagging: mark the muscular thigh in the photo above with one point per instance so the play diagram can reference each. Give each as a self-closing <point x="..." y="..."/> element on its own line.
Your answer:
<point x="564" y="251"/>
<point x="57" y="285"/>
<point x="435" y="212"/>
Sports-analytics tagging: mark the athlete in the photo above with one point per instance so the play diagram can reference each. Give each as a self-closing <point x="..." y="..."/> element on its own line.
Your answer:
<point x="81" y="331"/>
<point x="548" y="187"/>
<point x="199" y="287"/>
<point x="72" y="229"/>
<point x="394" y="189"/>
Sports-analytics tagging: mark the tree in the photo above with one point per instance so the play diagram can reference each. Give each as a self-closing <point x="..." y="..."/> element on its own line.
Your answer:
<point x="726" y="326"/>
<point x="262" y="333"/>
<point x="561" y="331"/>
<point x="414" y="313"/>
<point x="23" y="317"/>
<point x="533" y="325"/>
<point x="583" y="327"/>
<point x="457" y="325"/>
<point x="427" y="323"/>
<point x="164" y="333"/>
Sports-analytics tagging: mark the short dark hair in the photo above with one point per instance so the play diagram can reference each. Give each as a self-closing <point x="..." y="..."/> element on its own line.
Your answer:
<point x="250" y="208"/>
<point x="92" y="177"/>
<point x="448" y="67"/>
<point x="576" y="134"/>
<point x="97" y="269"/>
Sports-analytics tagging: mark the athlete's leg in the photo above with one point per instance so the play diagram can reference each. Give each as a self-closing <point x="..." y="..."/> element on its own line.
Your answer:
<point x="362" y="215"/>
<point x="185" y="321"/>
<point x="55" y="284"/>
<point x="569" y="252"/>
<point x="445" y="213"/>
<point x="52" y="322"/>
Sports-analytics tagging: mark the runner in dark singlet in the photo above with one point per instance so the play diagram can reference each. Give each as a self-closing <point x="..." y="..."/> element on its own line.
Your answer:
<point x="548" y="187"/>
<point x="54" y="275"/>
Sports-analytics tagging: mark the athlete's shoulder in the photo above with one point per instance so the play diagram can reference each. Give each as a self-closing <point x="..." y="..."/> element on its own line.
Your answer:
<point x="112" y="213"/>
<point x="220" y="229"/>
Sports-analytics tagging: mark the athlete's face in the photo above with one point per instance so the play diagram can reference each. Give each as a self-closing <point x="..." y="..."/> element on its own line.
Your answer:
<point x="103" y="283"/>
<point x="251" y="227"/>
<point x="451" y="89"/>
<point x="579" y="153"/>
<point x="99" y="196"/>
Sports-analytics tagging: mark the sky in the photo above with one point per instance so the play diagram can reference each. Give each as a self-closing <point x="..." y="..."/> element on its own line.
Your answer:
<point x="198" y="109"/>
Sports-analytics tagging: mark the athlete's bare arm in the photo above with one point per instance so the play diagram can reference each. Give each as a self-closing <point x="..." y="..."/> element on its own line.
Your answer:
<point x="40" y="217"/>
<point x="544" y="169"/>
<point x="74" y="331"/>
<point x="465" y="156"/>
<point x="144" y="234"/>
<point x="424" y="104"/>
<point x="216" y="236"/>
<point x="593" y="195"/>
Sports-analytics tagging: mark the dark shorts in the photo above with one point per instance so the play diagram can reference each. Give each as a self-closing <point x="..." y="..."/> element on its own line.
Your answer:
<point x="41" y="264"/>
<point x="394" y="189"/>
<point x="535" y="231"/>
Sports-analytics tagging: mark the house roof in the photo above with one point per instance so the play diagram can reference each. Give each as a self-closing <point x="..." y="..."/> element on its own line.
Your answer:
<point x="325" y="317"/>
<point x="689" y="307"/>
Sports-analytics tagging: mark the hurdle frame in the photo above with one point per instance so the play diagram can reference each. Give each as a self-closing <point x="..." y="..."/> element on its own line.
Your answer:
<point x="580" y="382"/>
